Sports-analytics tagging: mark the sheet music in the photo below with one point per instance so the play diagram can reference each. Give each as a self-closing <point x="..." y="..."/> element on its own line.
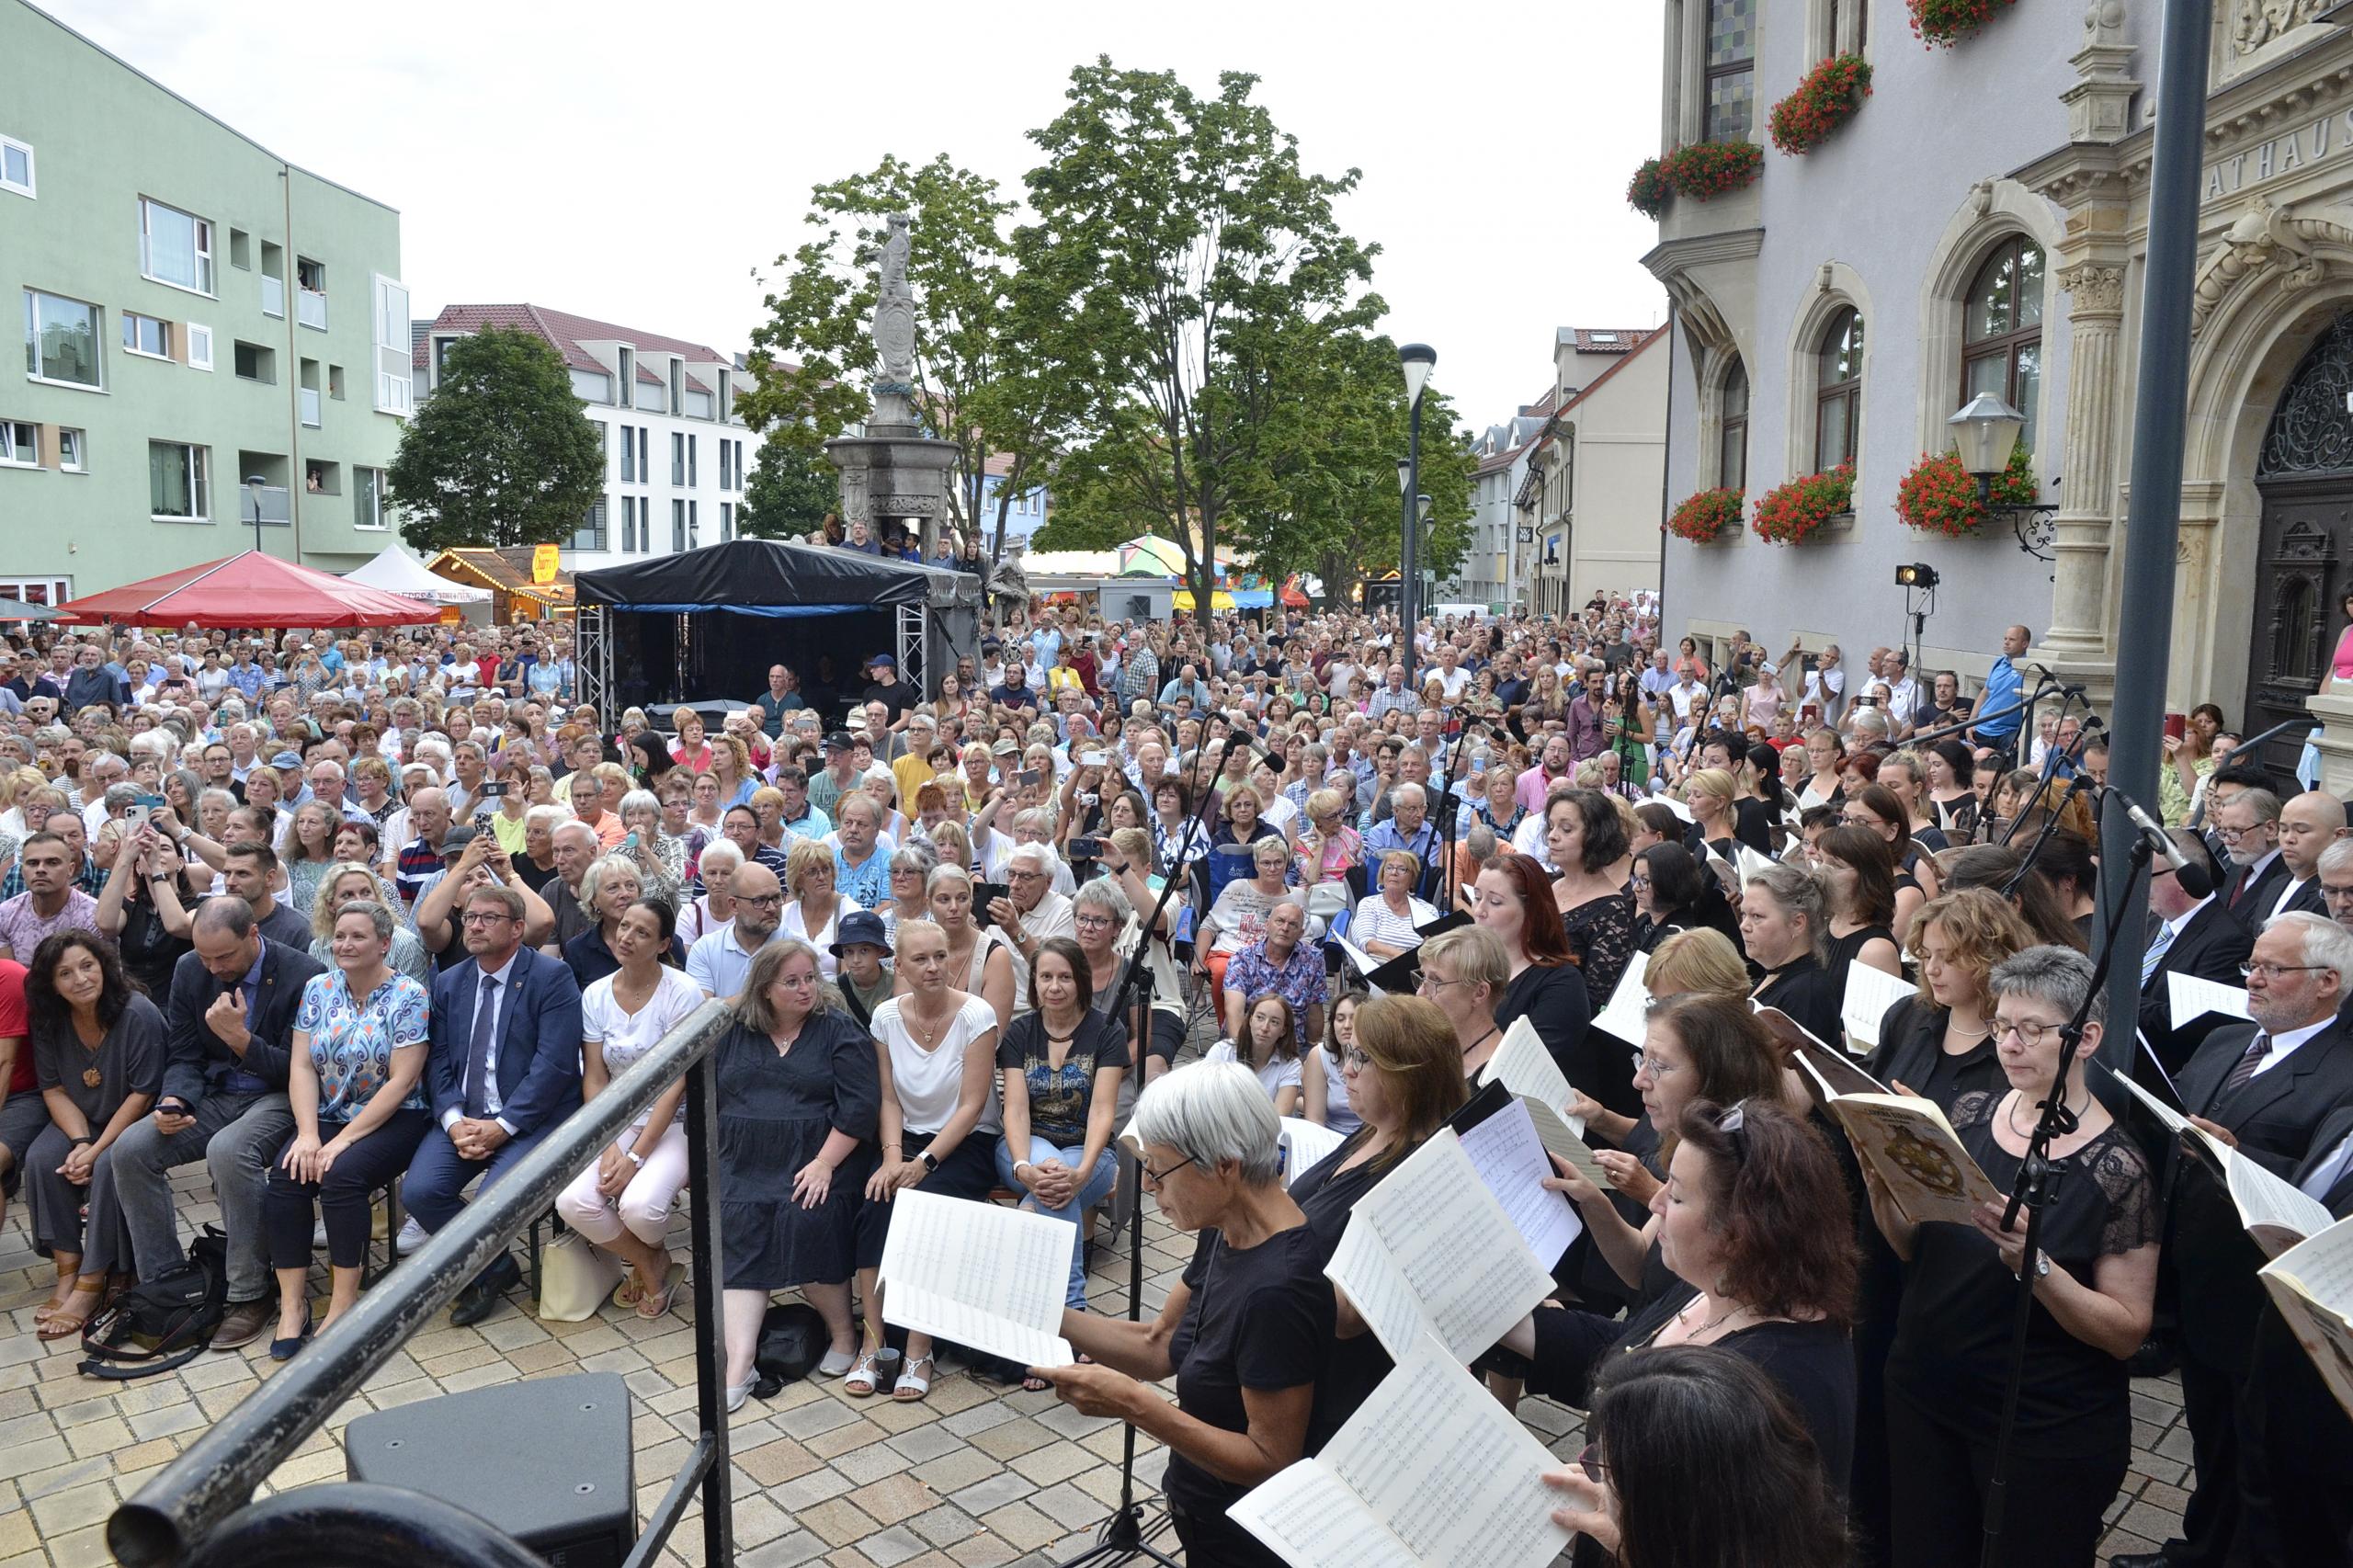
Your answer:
<point x="2189" y="997"/>
<point x="1869" y="994"/>
<point x="1522" y="1065"/>
<point x="2312" y="1285"/>
<point x="2322" y="1265"/>
<point x="1912" y="1147"/>
<point x="1626" y="1015"/>
<point x="1307" y="1516"/>
<point x="2169" y="1119"/>
<point x="1510" y="1158"/>
<point x="1429" y="1249"/>
<point x="1554" y="1132"/>
<point x="1304" y="1145"/>
<point x="988" y="1276"/>
<point x="1451" y="1473"/>
<point x="1365" y="963"/>
<point x="2268" y="1203"/>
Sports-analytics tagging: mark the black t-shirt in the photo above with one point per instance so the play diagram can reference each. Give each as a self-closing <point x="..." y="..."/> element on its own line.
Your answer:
<point x="1326" y="1193"/>
<point x="1807" y="992"/>
<point x="898" y="696"/>
<point x="1259" y="1318"/>
<point x="1753" y="825"/>
<point x="1952" y="1339"/>
<point x="1060" y="1098"/>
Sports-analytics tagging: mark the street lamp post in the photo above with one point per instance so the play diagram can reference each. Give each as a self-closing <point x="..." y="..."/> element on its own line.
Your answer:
<point x="1415" y="359"/>
<point x="253" y="491"/>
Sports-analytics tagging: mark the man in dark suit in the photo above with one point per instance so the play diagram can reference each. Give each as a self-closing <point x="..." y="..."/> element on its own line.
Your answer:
<point x="231" y="1015"/>
<point x="2302" y="1514"/>
<point x="2194" y="936"/>
<point x="2263" y="1088"/>
<point x="504" y="1070"/>
<point x="2248" y="824"/>
<point x="2308" y="825"/>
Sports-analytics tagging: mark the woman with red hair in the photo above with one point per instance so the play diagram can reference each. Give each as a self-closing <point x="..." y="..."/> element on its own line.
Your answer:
<point x="1513" y="899"/>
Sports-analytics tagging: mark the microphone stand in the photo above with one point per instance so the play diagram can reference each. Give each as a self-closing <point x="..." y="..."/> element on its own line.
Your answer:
<point x="1122" y="1538"/>
<point x="2036" y="1185"/>
<point x="2050" y="758"/>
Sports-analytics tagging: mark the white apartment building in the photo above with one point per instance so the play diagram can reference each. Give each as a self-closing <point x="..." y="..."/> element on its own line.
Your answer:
<point x="1491" y="569"/>
<point x="676" y="449"/>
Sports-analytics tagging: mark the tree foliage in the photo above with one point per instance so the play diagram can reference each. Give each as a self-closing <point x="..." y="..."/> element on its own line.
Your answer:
<point x="789" y="493"/>
<point x="501" y="453"/>
<point x="1188" y="274"/>
<point x="814" y="360"/>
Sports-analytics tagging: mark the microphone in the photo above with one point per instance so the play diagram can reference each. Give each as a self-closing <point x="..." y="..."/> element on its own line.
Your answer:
<point x="2193" y="876"/>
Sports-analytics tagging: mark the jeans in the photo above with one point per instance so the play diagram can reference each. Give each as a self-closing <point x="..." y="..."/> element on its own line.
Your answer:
<point x="237" y="1136"/>
<point x="433" y="1190"/>
<point x="1091" y="1192"/>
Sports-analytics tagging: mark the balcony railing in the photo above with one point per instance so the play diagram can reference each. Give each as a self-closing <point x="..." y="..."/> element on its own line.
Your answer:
<point x="311" y="309"/>
<point x="275" y="507"/>
<point x="309" y="399"/>
<point x="273" y="296"/>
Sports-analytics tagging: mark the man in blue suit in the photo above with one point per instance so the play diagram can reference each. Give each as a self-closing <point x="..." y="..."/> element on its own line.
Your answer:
<point x="504" y="1070"/>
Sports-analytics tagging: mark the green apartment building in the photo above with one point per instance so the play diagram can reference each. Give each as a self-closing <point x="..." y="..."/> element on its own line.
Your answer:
<point x="197" y="315"/>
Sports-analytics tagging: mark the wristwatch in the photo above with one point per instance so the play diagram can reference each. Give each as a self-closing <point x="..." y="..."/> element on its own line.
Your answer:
<point x="930" y="1166"/>
<point x="2041" y="1264"/>
<point x="634" y="1157"/>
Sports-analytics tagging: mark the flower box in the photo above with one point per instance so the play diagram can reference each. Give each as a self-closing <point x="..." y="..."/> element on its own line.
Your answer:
<point x="1788" y="513"/>
<point x="1823" y="101"/>
<point x="1946" y="22"/>
<point x="1701" y="171"/>
<point x="1703" y="516"/>
<point x="1940" y="496"/>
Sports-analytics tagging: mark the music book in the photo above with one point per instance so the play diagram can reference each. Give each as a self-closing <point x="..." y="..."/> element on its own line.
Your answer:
<point x="2277" y="1213"/>
<point x="1430" y="1250"/>
<point x="1510" y="1159"/>
<point x="1551" y="1131"/>
<point x="1304" y="1145"/>
<point x="979" y="1274"/>
<point x="1627" y="1014"/>
<point x="1909" y="1144"/>
<point x="1826" y="1071"/>
<point x="1522" y="1065"/>
<point x="1869" y="994"/>
<point x="2312" y="1284"/>
<point x="2189" y="997"/>
<point x="1431" y="1471"/>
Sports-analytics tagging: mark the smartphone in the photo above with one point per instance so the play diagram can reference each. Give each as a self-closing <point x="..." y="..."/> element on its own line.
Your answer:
<point x="984" y="894"/>
<point x="1086" y="849"/>
<point x="1092" y="759"/>
<point x="493" y="789"/>
<point x="1030" y="777"/>
<point x="2177" y="726"/>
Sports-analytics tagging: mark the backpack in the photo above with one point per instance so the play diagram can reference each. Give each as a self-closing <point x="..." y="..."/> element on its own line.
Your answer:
<point x="165" y="1322"/>
<point x="794" y="1338"/>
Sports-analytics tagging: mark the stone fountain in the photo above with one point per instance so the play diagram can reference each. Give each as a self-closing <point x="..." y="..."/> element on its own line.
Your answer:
<point x="894" y="473"/>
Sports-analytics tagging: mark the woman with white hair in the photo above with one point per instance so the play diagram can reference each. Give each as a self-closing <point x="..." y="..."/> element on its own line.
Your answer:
<point x="708" y="911"/>
<point x="661" y="859"/>
<point x="1245" y="1335"/>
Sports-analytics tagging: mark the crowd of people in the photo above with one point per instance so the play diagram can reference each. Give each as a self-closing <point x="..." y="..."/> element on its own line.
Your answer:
<point x="345" y="916"/>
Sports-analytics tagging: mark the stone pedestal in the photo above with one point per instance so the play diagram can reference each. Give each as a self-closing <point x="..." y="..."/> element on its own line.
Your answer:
<point x="2333" y="706"/>
<point x="896" y="473"/>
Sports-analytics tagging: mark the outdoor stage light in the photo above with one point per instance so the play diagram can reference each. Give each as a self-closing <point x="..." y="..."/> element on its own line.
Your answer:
<point x="1919" y="575"/>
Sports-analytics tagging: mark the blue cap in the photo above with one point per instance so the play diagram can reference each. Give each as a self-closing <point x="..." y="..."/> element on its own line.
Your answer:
<point x="859" y="925"/>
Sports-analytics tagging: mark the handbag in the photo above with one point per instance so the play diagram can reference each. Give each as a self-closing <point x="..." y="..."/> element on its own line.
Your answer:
<point x="163" y="1323"/>
<point x="576" y="1278"/>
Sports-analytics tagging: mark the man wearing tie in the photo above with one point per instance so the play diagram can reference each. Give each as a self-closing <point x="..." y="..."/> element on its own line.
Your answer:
<point x="2264" y="1089"/>
<point x="230" y="1014"/>
<point x="2308" y="825"/>
<point x="2249" y="824"/>
<point x="2194" y="936"/>
<point x="504" y="1070"/>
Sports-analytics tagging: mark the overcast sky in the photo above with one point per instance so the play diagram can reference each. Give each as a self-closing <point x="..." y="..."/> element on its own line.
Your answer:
<point x="636" y="162"/>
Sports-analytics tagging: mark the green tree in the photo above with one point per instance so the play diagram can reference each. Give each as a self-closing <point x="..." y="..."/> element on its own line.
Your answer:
<point x="501" y="453"/>
<point x="789" y="492"/>
<point x="1188" y="275"/>
<point x="813" y="356"/>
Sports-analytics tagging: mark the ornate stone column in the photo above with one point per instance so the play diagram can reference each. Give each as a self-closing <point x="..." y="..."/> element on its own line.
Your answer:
<point x="2079" y="630"/>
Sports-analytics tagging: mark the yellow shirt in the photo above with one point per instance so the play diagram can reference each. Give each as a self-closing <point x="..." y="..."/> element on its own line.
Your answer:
<point x="913" y="773"/>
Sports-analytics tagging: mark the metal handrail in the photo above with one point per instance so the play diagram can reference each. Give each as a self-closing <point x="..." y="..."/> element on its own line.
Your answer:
<point x="365" y="1526"/>
<point x="195" y="1495"/>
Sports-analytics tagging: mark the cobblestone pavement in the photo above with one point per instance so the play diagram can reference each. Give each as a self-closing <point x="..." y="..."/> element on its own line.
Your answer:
<point x="973" y="1475"/>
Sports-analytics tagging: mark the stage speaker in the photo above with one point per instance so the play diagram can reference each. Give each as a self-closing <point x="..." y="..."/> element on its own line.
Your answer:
<point x="547" y="1461"/>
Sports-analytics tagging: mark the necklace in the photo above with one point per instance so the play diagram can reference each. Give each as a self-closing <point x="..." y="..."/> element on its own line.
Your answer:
<point x="1477" y="1044"/>
<point x="2013" y="1116"/>
<point x="927" y="1035"/>
<point x="1712" y="1323"/>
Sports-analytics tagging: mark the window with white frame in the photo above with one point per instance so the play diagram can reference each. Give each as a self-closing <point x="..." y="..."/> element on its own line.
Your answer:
<point x="178" y="483"/>
<point x="590" y="534"/>
<point x="395" y="384"/>
<point x="629" y="523"/>
<point x="199" y="346"/>
<point x="72" y="451"/>
<point x="60" y="340"/>
<point x="20" y="444"/>
<point x="726" y="521"/>
<point x="677" y="528"/>
<point x="147" y="335"/>
<point x="368" y="497"/>
<point x="175" y="247"/>
<point x="15" y="166"/>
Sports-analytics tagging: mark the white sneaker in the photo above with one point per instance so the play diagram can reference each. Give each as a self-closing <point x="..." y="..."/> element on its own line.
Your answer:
<point x="412" y="1238"/>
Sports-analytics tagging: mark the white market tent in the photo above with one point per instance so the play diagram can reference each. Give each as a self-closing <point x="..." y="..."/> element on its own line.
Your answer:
<point x="397" y="571"/>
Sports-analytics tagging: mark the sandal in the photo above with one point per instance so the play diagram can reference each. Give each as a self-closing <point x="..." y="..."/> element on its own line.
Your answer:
<point x="912" y="1386"/>
<point x="864" y="1375"/>
<point x="66" y="1323"/>
<point x="628" y="1292"/>
<point x="655" y="1304"/>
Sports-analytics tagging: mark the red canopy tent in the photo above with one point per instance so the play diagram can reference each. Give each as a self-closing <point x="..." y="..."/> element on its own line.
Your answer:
<point x="249" y="589"/>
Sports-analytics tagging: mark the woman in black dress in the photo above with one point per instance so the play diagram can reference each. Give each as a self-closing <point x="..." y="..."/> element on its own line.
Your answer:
<point x="1858" y="881"/>
<point x="1782" y="918"/>
<point x="1404" y="1078"/>
<point x="1749" y="1267"/>
<point x="1666" y="887"/>
<point x="800" y="1097"/>
<point x="1761" y="803"/>
<point x="1952" y="790"/>
<point x="1875" y="807"/>
<point x="1514" y="903"/>
<point x="1245" y="1333"/>
<point x="1587" y="842"/>
<point x="2095" y="1278"/>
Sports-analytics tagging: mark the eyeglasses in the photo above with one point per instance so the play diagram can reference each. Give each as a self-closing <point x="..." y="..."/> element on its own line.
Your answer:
<point x="1428" y="983"/>
<point x="1734" y="1125"/>
<point x="2031" y="1033"/>
<point x="1656" y="1066"/>
<point x="2272" y="972"/>
<point x="1092" y="922"/>
<point x="1355" y="1060"/>
<point x="2334" y="893"/>
<point x="1156" y="1178"/>
<point x="762" y="901"/>
<point x="485" y="917"/>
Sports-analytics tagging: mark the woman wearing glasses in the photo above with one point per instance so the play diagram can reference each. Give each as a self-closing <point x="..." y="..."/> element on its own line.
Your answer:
<point x="1247" y="1332"/>
<point x="2094" y="1277"/>
<point x="1748" y="1267"/>
<point x="1464" y="973"/>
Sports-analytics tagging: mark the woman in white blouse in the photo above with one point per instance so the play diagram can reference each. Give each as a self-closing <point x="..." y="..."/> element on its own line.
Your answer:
<point x="622" y="1201"/>
<point x="816" y="907"/>
<point x="1386" y="921"/>
<point x="936" y="1047"/>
